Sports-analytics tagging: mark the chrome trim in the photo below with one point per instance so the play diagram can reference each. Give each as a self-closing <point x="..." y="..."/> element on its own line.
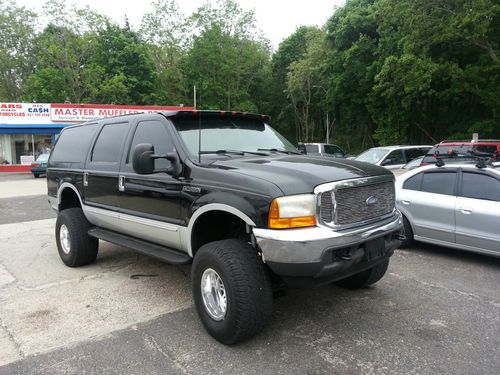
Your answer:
<point x="85" y="179"/>
<point x="149" y="222"/>
<point x="352" y="183"/>
<point x="307" y="245"/>
<point x="121" y="183"/>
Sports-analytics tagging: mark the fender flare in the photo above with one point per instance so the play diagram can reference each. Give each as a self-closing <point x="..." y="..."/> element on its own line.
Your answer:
<point x="208" y="208"/>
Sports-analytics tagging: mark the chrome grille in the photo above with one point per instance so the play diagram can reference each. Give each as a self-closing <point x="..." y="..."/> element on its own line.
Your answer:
<point x="351" y="203"/>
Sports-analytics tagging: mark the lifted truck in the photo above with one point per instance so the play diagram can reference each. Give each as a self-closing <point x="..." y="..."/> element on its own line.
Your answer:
<point x="224" y="191"/>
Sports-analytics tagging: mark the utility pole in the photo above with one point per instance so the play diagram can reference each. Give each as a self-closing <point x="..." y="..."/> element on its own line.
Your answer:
<point x="194" y="96"/>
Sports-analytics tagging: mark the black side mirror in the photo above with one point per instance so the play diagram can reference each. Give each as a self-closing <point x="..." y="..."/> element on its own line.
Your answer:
<point x="143" y="160"/>
<point x="386" y="162"/>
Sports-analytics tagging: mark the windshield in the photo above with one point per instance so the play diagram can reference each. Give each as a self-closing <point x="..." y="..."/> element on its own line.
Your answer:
<point x="236" y="134"/>
<point x="373" y="155"/>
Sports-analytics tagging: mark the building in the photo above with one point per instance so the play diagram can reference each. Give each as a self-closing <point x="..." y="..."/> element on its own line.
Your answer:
<point x="30" y="129"/>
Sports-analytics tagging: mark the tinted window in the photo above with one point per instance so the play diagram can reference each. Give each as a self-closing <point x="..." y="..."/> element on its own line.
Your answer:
<point x="413" y="153"/>
<point x="109" y="143"/>
<point x="413" y="183"/>
<point x="439" y="183"/>
<point x="73" y="144"/>
<point x="153" y="132"/>
<point x="445" y="150"/>
<point x="312" y="149"/>
<point x="395" y="157"/>
<point x="331" y="149"/>
<point x="485" y="149"/>
<point x="480" y="186"/>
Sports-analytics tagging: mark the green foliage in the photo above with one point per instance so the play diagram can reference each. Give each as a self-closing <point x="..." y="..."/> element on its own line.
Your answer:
<point x="381" y="71"/>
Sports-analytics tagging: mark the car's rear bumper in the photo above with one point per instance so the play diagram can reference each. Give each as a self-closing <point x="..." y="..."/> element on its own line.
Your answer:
<point x="321" y="255"/>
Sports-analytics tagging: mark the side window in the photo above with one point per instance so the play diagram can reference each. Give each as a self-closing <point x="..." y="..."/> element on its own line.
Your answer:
<point x="413" y="153"/>
<point x="396" y="157"/>
<point x="480" y="186"/>
<point x="73" y="144"/>
<point x="153" y="132"/>
<point x="414" y="182"/>
<point x="332" y="150"/>
<point x="108" y="146"/>
<point x="439" y="183"/>
<point x="312" y="149"/>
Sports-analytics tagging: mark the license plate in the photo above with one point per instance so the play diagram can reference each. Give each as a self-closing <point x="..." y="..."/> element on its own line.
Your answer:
<point x="375" y="249"/>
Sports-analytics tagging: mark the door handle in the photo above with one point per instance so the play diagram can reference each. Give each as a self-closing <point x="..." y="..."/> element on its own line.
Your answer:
<point x="466" y="210"/>
<point x="405" y="202"/>
<point x="85" y="178"/>
<point x="121" y="183"/>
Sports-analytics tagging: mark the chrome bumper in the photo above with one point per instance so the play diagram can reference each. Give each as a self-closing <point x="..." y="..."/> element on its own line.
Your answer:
<point x="308" y="245"/>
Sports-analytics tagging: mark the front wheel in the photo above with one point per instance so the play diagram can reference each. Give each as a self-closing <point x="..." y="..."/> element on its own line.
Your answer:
<point x="231" y="290"/>
<point x="76" y="248"/>
<point x="365" y="278"/>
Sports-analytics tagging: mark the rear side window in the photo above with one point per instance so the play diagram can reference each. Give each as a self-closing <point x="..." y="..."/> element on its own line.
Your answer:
<point x="439" y="183"/>
<point x="480" y="186"/>
<point x="312" y="149"/>
<point x="487" y="149"/>
<point x="109" y="143"/>
<point x="414" y="182"/>
<point x="73" y="144"/>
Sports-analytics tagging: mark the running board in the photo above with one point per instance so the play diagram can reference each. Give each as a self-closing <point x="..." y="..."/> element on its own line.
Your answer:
<point x="162" y="253"/>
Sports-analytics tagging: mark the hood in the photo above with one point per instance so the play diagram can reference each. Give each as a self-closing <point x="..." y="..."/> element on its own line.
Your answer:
<point x="296" y="174"/>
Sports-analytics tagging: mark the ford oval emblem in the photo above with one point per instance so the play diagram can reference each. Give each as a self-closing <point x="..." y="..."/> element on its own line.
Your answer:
<point x="371" y="200"/>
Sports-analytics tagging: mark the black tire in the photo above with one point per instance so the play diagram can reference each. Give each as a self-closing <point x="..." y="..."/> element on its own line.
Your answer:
<point x="365" y="278"/>
<point x="82" y="247"/>
<point x="37" y="175"/>
<point x="247" y="288"/>
<point x="408" y="232"/>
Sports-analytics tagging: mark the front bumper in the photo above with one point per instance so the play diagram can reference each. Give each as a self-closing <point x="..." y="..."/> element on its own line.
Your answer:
<point x="326" y="255"/>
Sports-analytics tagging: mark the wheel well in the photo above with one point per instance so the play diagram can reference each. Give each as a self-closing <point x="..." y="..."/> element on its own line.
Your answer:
<point x="69" y="199"/>
<point x="215" y="226"/>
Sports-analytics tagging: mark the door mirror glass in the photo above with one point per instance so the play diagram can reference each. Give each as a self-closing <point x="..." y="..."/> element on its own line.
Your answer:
<point x="142" y="158"/>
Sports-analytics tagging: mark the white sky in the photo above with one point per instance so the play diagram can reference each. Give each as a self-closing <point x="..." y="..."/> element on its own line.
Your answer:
<point x="277" y="18"/>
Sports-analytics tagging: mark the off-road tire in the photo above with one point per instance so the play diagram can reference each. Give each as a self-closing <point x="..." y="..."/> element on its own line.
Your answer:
<point x="408" y="232"/>
<point x="83" y="248"/>
<point x="365" y="278"/>
<point x="248" y="289"/>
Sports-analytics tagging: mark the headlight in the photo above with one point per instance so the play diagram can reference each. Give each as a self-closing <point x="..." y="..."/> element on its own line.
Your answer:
<point x="294" y="211"/>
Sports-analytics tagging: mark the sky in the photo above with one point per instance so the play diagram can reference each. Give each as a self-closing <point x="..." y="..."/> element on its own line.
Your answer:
<point x="277" y="18"/>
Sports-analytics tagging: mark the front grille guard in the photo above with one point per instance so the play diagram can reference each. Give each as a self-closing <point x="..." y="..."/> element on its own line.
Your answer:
<point x="322" y="192"/>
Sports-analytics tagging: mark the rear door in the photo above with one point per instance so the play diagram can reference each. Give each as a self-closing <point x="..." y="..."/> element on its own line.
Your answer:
<point x="478" y="211"/>
<point x="150" y="204"/>
<point x="100" y="180"/>
<point x="429" y="199"/>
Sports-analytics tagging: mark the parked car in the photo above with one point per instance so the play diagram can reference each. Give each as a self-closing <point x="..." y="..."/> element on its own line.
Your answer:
<point x="459" y="151"/>
<point x="454" y="205"/>
<point x="322" y="149"/>
<point x="415" y="163"/>
<point x="39" y="166"/>
<point x="392" y="157"/>
<point x="246" y="209"/>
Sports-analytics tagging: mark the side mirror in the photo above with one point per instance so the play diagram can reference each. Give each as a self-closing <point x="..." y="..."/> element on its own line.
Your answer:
<point x="143" y="160"/>
<point x="386" y="162"/>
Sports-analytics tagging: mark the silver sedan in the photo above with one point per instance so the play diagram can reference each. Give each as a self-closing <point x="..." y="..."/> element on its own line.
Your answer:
<point x="456" y="205"/>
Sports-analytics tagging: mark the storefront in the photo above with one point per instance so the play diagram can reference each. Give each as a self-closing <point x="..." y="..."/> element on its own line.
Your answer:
<point x="28" y="130"/>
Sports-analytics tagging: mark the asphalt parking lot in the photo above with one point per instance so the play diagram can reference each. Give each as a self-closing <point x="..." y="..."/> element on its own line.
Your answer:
<point x="436" y="311"/>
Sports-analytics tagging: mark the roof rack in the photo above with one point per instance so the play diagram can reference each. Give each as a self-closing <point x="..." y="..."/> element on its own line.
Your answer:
<point x="483" y="160"/>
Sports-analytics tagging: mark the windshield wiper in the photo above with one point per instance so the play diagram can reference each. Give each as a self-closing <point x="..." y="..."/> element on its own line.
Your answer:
<point x="233" y="152"/>
<point x="279" y="150"/>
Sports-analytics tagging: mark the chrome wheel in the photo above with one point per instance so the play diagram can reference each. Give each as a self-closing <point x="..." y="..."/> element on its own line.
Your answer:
<point x="64" y="239"/>
<point x="214" y="294"/>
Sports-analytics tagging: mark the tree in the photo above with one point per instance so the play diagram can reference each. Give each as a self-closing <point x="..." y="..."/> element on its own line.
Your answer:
<point x="16" y="43"/>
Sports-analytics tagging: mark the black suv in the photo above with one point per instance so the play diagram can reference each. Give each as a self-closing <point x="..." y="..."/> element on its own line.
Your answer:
<point x="227" y="192"/>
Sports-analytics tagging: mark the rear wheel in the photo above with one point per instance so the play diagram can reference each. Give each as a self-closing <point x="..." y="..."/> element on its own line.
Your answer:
<point x="76" y="248"/>
<point x="36" y="175"/>
<point x="231" y="290"/>
<point x="365" y="278"/>
<point x="408" y="232"/>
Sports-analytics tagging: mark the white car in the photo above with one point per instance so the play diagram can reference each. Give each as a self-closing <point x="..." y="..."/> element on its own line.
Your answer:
<point x="455" y="205"/>
<point x="392" y="157"/>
